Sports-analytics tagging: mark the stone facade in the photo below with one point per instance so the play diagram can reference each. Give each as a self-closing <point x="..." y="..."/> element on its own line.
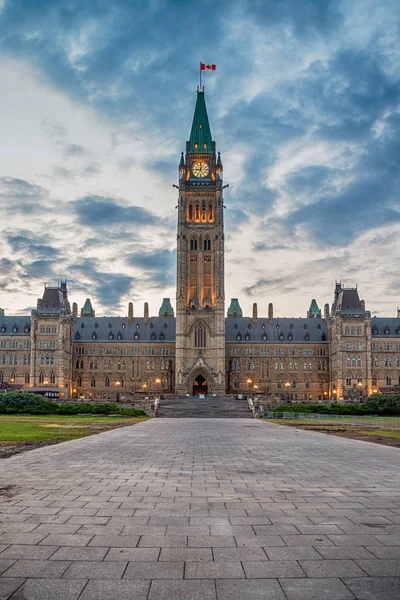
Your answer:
<point x="344" y="354"/>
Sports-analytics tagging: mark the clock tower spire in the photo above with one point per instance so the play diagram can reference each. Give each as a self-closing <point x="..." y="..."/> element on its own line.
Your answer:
<point x="200" y="319"/>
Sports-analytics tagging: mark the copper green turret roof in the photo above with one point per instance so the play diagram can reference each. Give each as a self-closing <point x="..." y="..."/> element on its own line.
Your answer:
<point x="314" y="310"/>
<point x="166" y="309"/>
<point x="200" y="135"/>
<point x="234" y="309"/>
<point x="87" y="310"/>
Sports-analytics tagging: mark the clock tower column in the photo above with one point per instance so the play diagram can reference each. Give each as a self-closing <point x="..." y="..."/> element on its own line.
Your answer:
<point x="200" y="294"/>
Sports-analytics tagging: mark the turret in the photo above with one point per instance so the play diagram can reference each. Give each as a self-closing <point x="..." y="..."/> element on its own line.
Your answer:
<point x="270" y="312"/>
<point x="166" y="309"/>
<point x="87" y="309"/>
<point x="326" y="312"/>
<point x="234" y="309"/>
<point x="255" y="312"/>
<point x="130" y="312"/>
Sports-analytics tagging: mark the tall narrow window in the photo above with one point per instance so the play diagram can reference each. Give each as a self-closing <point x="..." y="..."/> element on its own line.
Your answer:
<point x="210" y="212"/>
<point x="193" y="292"/>
<point x="26" y="378"/>
<point x="107" y="382"/>
<point x="200" y="336"/>
<point x="207" y="243"/>
<point x="190" y="212"/>
<point x="41" y="377"/>
<point x="203" y="213"/>
<point x="207" y="278"/>
<point x="193" y="243"/>
<point x="197" y="216"/>
<point x="93" y="382"/>
<point x="52" y="378"/>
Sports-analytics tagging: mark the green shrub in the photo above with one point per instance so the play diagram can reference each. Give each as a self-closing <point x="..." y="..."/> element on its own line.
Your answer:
<point x="14" y="403"/>
<point x="388" y="404"/>
<point x="385" y="404"/>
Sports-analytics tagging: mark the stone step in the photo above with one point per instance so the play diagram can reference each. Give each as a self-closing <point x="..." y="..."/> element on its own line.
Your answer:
<point x="192" y="407"/>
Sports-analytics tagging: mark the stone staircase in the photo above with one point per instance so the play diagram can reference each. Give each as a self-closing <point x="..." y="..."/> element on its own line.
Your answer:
<point x="226" y="407"/>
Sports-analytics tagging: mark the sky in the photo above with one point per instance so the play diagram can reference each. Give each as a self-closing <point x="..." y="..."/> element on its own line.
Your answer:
<point x="96" y="104"/>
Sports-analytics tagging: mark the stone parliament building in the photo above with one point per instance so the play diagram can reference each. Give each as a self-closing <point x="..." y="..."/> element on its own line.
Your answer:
<point x="339" y="355"/>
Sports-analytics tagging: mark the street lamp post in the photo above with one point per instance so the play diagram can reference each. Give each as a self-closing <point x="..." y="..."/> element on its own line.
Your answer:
<point x="158" y="385"/>
<point x="287" y="386"/>
<point x="249" y="382"/>
<point x="117" y="384"/>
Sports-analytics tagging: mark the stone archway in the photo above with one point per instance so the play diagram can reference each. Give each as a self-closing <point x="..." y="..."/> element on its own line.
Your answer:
<point x="200" y="385"/>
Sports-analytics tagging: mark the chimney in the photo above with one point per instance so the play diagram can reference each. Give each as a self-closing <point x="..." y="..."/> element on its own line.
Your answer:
<point x="326" y="312"/>
<point x="362" y="302"/>
<point x="146" y="312"/>
<point x="255" y="312"/>
<point x="270" y="312"/>
<point x="39" y="302"/>
<point x="130" y="312"/>
<point x="75" y="311"/>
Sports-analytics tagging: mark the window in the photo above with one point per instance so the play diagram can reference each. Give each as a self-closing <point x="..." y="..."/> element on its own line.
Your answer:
<point x="197" y="217"/>
<point x="190" y="212"/>
<point x="52" y="378"/>
<point x="41" y="377"/>
<point x="107" y="382"/>
<point x="193" y="244"/>
<point x="26" y="378"/>
<point x="93" y="382"/>
<point x="207" y="243"/>
<point x="388" y="380"/>
<point x="210" y="212"/>
<point x="200" y="336"/>
<point x="79" y="381"/>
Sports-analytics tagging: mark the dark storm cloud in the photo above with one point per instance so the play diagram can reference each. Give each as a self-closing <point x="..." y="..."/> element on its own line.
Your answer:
<point x="106" y="288"/>
<point x="29" y="245"/>
<point x="158" y="266"/>
<point x="97" y="211"/>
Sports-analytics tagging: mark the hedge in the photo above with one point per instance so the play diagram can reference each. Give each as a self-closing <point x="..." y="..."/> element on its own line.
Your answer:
<point x="383" y="404"/>
<point x="16" y="403"/>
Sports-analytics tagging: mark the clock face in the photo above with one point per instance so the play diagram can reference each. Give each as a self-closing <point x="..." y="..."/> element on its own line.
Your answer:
<point x="200" y="169"/>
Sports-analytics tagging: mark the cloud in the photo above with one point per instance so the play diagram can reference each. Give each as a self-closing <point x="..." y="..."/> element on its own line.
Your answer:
<point x="97" y="211"/>
<point x="18" y="195"/>
<point x="158" y="266"/>
<point x="29" y="245"/>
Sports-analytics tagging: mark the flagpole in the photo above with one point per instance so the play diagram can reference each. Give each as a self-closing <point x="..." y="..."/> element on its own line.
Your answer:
<point x="200" y="76"/>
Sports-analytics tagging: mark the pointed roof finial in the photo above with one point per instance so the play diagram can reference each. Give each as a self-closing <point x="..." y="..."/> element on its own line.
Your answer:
<point x="200" y="136"/>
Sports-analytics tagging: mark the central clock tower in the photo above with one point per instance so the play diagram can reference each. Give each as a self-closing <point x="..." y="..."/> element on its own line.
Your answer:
<point x="200" y="295"/>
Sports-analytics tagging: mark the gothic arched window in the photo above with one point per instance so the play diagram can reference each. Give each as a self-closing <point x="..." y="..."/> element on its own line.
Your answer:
<point x="210" y="212"/>
<point x="193" y="243"/>
<point x="52" y="378"/>
<point x="78" y="381"/>
<point x="26" y="378"/>
<point x="190" y="212"/>
<point x="41" y="377"/>
<point x="107" y="382"/>
<point x="93" y="382"/>
<point x="203" y="212"/>
<point x="207" y="243"/>
<point x="197" y="215"/>
<point x="200" y="336"/>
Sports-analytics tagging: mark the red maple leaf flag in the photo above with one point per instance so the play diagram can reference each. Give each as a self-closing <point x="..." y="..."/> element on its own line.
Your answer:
<point x="204" y="67"/>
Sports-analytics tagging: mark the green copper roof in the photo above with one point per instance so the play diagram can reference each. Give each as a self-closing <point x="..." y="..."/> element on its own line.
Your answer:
<point x="166" y="309"/>
<point x="314" y="309"/>
<point x="87" y="310"/>
<point x="200" y="135"/>
<point x="234" y="309"/>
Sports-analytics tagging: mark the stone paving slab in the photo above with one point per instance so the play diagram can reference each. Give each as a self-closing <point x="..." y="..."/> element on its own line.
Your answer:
<point x="202" y="509"/>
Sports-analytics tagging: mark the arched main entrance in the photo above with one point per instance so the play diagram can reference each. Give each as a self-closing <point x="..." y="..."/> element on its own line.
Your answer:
<point x="200" y="385"/>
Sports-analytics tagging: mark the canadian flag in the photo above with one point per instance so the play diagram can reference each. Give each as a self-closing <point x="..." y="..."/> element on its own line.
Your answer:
<point x="204" y="67"/>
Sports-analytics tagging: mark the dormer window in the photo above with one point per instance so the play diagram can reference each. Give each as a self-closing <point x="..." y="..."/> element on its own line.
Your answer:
<point x="94" y="335"/>
<point x="307" y="337"/>
<point x="398" y="330"/>
<point x="151" y="325"/>
<point x="291" y="326"/>
<point x="374" y="331"/>
<point x="263" y="326"/>
<point x="319" y="326"/>
<point x="123" y="325"/>
<point x="264" y="337"/>
<point x="111" y="335"/>
<point x="235" y="326"/>
<point x="82" y="325"/>
<point x="119" y="335"/>
<point x="247" y="337"/>
<point x="239" y="337"/>
<point x="386" y="331"/>
<point x="305" y="325"/>
<point x="96" y="325"/>
<point x="136" y="336"/>
<point x="281" y="337"/>
<point x="3" y="329"/>
<point x="153" y="336"/>
<point x="323" y="337"/>
<point x="109" y="326"/>
<point x="249" y="326"/>
<point x="15" y="329"/>
<point x="26" y="329"/>
<point x="277" y="325"/>
<point x="290" y="337"/>
<point x="165" y="326"/>
<point x="162" y="336"/>
<point x="77" y="335"/>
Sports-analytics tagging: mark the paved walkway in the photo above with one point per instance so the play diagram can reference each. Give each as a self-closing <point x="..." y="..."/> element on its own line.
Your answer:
<point x="201" y="509"/>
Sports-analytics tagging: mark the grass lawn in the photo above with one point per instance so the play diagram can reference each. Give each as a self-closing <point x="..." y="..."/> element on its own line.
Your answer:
<point x="389" y="438"/>
<point x="18" y="429"/>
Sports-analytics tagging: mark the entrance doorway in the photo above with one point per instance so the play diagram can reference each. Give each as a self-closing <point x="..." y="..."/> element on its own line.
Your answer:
<point x="200" y="385"/>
